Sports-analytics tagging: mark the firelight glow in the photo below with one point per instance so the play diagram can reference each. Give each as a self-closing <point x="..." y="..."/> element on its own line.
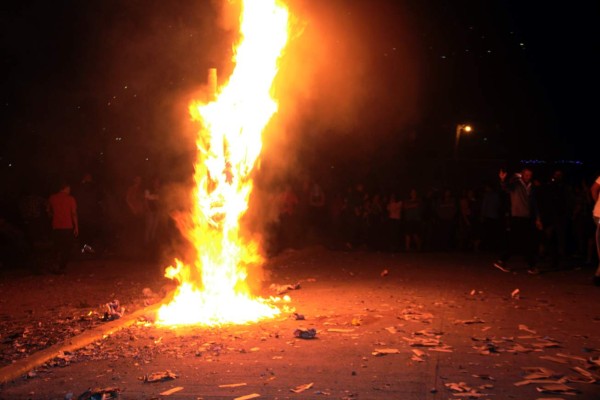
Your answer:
<point x="213" y="290"/>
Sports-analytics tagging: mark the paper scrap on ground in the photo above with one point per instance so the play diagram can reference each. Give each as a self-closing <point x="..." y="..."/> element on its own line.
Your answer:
<point x="302" y="388"/>
<point x="232" y="385"/>
<point x="171" y="391"/>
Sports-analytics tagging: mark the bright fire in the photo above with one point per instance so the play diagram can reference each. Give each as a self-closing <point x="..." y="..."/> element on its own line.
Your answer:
<point x="213" y="290"/>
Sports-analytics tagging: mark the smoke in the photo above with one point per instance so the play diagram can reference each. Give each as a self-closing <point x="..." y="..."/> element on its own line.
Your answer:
<point x="348" y="85"/>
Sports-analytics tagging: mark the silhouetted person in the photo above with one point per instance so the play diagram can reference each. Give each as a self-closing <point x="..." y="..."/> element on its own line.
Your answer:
<point x="412" y="210"/>
<point x="62" y="208"/>
<point x="524" y="219"/>
<point x="89" y="213"/>
<point x="137" y="208"/>
<point x="152" y="207"/>
<point x="595" y="190"/>
<point x="490" y="218"/>
<point x="555" y="211"/>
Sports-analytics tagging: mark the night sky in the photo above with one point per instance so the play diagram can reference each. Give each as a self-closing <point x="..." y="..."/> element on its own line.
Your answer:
<point x="104" y="85"/>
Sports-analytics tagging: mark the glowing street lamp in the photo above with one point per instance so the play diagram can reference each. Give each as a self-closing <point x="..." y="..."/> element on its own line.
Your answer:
<point x="460" y="128"/>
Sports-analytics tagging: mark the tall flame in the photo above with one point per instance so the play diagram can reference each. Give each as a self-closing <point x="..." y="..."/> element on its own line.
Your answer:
<point x="213" y="290"/>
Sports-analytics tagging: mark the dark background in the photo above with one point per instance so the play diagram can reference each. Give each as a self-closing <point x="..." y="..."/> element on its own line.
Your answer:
<point x="370" y="89"/>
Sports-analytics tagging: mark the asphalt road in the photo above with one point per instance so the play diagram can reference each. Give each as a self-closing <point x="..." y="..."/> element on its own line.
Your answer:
<point x="388" y="326"/>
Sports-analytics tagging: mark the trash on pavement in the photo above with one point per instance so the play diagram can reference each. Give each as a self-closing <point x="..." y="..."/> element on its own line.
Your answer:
<point x="340" y="330"/>
<point x="383" y="352"/>
<point x="281" y="289"/>
<point x="114" y="310"/>
<point x="100" y="394"/>
<point x="298" y="317"/>
<point x="557" y="388"/>
<point x="248" y="396"/>
<point x="305" y="333"/>
<point x="232" y="385"/>
<point x="526" y="329"/>
<point x="171" y="391"/>
<point x="159" y="376"/>
<point x="302" y="388"/>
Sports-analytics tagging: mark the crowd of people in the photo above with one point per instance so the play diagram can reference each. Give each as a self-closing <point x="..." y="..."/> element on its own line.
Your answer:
<point x="554" y="221"/>
<point x="84" y="219"/>
<point x="548" y="221"/>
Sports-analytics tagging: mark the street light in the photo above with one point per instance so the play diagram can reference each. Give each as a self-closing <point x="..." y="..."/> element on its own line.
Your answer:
<point x="460" y="128"/>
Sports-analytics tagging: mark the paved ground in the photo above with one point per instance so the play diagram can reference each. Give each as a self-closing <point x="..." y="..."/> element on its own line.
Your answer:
<point x="404" y="326"/>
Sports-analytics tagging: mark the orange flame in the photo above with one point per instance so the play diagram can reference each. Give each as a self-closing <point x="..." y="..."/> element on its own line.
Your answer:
<point x="213" y="290"/>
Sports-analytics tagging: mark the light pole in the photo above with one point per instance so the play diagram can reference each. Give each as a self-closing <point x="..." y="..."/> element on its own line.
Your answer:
<point x="460" y="128"/>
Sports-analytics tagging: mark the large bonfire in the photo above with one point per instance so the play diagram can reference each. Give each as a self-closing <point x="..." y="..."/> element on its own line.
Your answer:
<point x="212" y="290"/>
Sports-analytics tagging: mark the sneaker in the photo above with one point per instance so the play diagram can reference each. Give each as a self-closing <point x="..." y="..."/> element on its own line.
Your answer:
<point x="501" y="266"/>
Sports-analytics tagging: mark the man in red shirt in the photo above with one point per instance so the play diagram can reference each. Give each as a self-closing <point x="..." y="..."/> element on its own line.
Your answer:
<point x="62" y="208"/>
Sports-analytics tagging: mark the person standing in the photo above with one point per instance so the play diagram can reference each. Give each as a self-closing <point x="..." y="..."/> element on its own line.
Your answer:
<point x="524" y="219"/>
<point x="153" y="211"/>
<point x="89" y="213"/>
<point x="411" y="218"/>
<point x="595" y="189"/>
<point x="394" y="211"/>
<point x="135" y="222"/>
<point x="62" y="209"/>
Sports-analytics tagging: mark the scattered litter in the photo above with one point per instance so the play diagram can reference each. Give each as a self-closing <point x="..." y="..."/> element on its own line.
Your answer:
<point x="385" y="272"/>
<point x="484" y="377"/>
<point x="515" y="294"/>
<point x="590" y="378"/>
<point x="248" y="396"/>
<point x="298" y="317"/>
<point x="554" y="359"/>
<point x="302" y="388"/>
<point x="340" y="330"/>
<point x="305" y="333"/>
<point x="356" y="321"/>
<point x="232" y="385"/>
<point x="171" y="391"/>
<point x="576" y="358"/>
<point x="114" y="310"/>
<point x="410" y="314"/>
<point x="100" y="394"/>
<point x="281" y="289"/>
<point x="557" y="388"/>
<point x="461" y="389"/>
<point x="87" y="249"/>
<point x="382" y="352"/>
<point x="159" y="376"/>
<point x="418" y="355"/>
<point x="469" y="321"/>
<point x="526" y="329"/>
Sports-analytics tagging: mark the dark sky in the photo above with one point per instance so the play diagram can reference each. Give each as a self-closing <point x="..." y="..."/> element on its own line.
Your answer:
<point x="85" y="82"/>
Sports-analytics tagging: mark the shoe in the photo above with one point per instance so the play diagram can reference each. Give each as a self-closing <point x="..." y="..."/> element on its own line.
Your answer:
<point x="533" y="271"/>
<point x="501" y="266"/>
<point x="597" y="280"/>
